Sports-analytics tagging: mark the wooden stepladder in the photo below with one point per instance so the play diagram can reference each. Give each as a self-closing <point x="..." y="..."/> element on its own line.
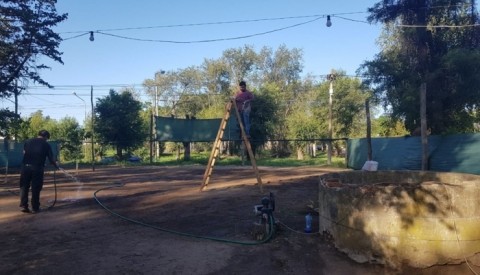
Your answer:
<point x="218" y="140"/>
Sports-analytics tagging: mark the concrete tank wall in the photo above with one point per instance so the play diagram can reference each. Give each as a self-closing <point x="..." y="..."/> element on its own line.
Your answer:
<point x="402" y="217"/>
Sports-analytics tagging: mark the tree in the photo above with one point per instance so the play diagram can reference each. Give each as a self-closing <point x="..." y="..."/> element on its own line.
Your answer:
<point x="70" y="134"/>
<point x="278" y="73"/>
<point x="177" y="91"/>
<point x="308" y="117"/>
<point x="282" y="66"/>
<point x="416" y="52"/>
<point x="118" y="121"/>
<point x="8" y="122"/>
<point x="190" y="92"/>
<point x="385" y="126"/>
<point x="262" y="119"/>
<point x="29" y="127"/>
<point x="349" y="106"/>
<point x="282" y="97"/>
<point x="217" y="79"/>
<point x="242" y="62"/>
<point x="25" y="35"/>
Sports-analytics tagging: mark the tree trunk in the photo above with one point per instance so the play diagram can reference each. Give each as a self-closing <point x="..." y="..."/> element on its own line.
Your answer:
<point x="119" y="153"/>
<point x="299" y="153"/>
<point x="186" y="150"/>
<point x="178" y="152"/>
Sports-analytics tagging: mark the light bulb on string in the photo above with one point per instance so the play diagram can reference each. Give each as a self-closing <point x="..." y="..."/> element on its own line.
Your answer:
<point x="91" y="36"/>
<point x="329" y="22"/>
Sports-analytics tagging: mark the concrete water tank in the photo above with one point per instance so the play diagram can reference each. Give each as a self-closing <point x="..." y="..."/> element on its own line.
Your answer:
<point x="402" y="217"/>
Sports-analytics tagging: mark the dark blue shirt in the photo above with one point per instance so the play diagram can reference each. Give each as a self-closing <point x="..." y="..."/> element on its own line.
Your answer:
<point x="36" y="150"/>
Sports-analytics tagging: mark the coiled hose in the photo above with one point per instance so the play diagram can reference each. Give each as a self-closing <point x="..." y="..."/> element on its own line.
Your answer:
<point x="271" y="221"/>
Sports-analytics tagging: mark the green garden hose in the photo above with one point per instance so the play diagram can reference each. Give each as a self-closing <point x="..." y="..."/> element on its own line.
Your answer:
<point x="271" y="221"/>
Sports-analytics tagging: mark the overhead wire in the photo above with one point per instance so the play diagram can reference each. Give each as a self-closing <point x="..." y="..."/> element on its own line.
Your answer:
<point x="69" y="87"/>
<point x="76" y="36"/>
<point x="107" y="32"/>
<point x="216" y="23"/>
<point x="316" y="17"/>
<point x="209" y="40"/>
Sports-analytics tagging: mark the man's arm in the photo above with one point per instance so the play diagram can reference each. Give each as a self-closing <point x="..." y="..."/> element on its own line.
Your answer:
<point x="50" y="157"/>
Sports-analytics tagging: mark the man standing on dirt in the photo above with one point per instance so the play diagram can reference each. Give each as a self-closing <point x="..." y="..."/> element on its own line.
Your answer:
<point x="35" y="151"/>
<point x="243" y="99"/>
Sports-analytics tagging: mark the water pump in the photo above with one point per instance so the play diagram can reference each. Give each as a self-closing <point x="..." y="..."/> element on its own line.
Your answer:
<point x="266" y="223"/>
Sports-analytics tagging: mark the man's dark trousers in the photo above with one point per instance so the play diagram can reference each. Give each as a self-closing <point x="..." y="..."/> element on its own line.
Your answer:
<point x="34" y="176"/>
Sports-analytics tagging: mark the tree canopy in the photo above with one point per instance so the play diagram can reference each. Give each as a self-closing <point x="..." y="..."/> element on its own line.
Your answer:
<point x="25" y="35"/>
<point x="8" y="122"/>
<point x="118" y="121"/>
<point x="432" y="42"/>
<point x="286" y="106"/>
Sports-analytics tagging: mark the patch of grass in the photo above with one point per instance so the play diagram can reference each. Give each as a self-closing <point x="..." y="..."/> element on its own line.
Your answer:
<point x="202" y="159"/>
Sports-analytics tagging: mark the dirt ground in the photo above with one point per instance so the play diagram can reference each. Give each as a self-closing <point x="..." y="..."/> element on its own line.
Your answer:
<point x="158" y="222"/>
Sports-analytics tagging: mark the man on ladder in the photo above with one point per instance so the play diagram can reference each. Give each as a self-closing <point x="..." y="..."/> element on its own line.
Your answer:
<point x="243" y="100"/>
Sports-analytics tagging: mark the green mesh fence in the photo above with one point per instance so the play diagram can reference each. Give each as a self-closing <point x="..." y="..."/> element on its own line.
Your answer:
<point x="11" y="152"/>
<point x="451" y="153"/>
<point x="194" y="130"/>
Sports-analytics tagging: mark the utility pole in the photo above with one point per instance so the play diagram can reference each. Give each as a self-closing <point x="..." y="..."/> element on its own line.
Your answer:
<point x="155" y="142"/>
<point x="84" y="145"/>
<point x="331" y="77"/>
<point x="15" y="134"/>
<point x="93" y="131"/>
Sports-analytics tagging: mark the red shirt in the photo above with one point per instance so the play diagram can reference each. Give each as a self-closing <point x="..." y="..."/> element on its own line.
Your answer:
<point x="243" y="99"/>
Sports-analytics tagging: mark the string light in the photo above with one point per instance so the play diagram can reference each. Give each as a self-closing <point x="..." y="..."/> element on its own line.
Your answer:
<point x="329" y="22"/>
<point x="210" y="40"/>
<point x="315" y="18"/>
<point x="219" y="23"/>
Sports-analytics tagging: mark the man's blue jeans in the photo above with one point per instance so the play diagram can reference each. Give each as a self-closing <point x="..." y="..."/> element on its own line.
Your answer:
<point x="246" y="121"/>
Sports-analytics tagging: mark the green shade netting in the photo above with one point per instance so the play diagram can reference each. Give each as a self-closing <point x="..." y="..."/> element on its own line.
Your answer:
<point x="194" y="130"/>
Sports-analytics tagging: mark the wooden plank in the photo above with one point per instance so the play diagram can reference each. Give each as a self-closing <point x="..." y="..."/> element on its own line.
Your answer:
<point x="249" y="149"/>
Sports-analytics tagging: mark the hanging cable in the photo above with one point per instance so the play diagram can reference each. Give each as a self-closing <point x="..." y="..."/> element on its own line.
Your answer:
<point x="210" y="40"/>
<point x="215" y="23"/>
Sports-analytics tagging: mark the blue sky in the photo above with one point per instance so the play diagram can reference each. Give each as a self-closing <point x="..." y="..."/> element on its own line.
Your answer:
<point x="109" y="62"/>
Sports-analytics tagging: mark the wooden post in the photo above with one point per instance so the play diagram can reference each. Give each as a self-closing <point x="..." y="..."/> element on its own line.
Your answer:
<point x="151" y="138"/>
<point x="423" y="125"/>
<point x="369" y="130"/>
